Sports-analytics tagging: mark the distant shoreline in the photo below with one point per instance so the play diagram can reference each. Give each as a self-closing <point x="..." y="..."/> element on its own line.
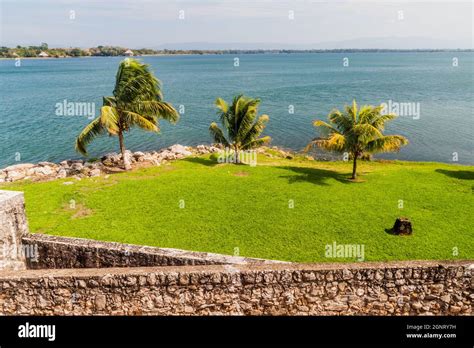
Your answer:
<point x="168" y="53"/>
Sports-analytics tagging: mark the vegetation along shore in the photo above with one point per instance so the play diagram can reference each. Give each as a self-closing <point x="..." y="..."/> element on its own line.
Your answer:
<point x="44" y="51"/>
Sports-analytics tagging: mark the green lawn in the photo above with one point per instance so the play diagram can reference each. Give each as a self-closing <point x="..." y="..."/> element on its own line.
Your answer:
<point x="234" y="206"/>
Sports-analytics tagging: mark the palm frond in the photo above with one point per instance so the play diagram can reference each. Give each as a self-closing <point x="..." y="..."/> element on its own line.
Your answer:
<point x="326" y="128"/>
<point x="91" y="131"/>
<point x="134" y="119"/>
<point x="256" y="129"/>
<point x="217" y="134"/>
<point x="379" y="120"/>
<point x="155" y="109"/>
<point x="257" y="143"/>
<point x="221" y="105"/>
<point x="387" y="143"/>
<point x="134" y="81"/>
<point x="366" y="132"/>
<point x="342" y="121"/>
<point x="109" y="101"/>
<point x="246" y="118"/>
<point x="109" y="118"/>
<point x="335" y="142"/>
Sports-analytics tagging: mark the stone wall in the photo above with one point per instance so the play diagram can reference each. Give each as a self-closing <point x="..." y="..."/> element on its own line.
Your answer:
<point x="13" y="226"/>
<point x="66" y="252"/>
<point x="403" y="288"/>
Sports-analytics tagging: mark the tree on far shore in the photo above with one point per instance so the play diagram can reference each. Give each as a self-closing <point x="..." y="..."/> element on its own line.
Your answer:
<point x="357" y="131"/>
<point x="137" y="101"/>
<point x="238" y="121"/>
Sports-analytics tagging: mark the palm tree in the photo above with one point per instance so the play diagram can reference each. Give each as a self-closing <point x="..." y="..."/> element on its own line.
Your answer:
<point x="238" y="121"/>
<point x="137" y="101"/>
<point x="357" y="132"/>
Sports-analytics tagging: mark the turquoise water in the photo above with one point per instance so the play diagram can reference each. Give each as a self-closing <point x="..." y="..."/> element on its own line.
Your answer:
<point x="312" y="83"/>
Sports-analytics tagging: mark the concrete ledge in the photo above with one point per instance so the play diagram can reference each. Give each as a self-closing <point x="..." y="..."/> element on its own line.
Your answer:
<point x="467" y="265"/>
<point x="65" y="252"/>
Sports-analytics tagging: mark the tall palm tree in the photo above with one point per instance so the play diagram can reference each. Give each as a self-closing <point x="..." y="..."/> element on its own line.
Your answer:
<point x="238" y="121"/>
<point x="357" y="132"/>
<point x="137" y="101"/>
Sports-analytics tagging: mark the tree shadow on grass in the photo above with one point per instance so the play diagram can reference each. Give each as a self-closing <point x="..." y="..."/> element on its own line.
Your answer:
<point x="457" y="174"/>
<point x="314" y="175"/>
<point x="199" y="160"/>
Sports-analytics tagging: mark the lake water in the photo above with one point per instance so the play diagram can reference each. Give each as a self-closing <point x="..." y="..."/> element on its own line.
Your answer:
<point x="311" y="84"/>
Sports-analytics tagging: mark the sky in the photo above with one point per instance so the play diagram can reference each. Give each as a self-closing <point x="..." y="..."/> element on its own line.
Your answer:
<point x="221" y="24"/>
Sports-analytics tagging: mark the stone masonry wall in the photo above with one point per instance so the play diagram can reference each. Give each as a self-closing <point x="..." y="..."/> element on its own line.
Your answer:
<point x="66" y="252"/>
<point x="402" y="288"/>
<point x="13" y="226"/>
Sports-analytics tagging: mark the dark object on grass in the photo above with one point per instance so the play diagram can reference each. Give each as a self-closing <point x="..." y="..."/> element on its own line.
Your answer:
<point x="402" y="226"/>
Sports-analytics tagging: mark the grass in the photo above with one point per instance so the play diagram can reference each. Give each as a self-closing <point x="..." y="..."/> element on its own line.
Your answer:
<point x="235" y="206"/>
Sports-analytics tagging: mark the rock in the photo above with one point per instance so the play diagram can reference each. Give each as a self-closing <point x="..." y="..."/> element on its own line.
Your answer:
<point x="64" y="164"/>
<point x="437" y="288"/>
<point x="62" y="173"/>
<point x="145" y="157"/>
<point x="100" y="302"/>
<point x="335" y="306"/>
<point x="166" y="155"/>
<point x="43" y="171"/>
<point x="70" y="162"/>
<point x="77" y="167"/>
<point x="19" y="167"/>
<point x="346" y="274"/>
<point x="202" y="149"/>
<point x="111" y="158"/>
<point x="46" y="164"/>
<point x="454" y="309"/>
<point x="128" y="153"/>
<point x="138" y="154"/>
<point x="402" y="226"/>
<point x="13" y="175"/>
<point x="95" y="172"/>
<point x="179" y="150"/>
<point x="446" y="298"/>
<point x="214" y="149"/>
<point x="127" y="160"/>
<point x="68" y="183"/>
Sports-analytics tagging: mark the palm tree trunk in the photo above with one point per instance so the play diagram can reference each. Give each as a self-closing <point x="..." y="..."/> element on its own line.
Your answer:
<point x="237" y="155"/>
<point x="354" y="167"/>
<point x="126" y="162"/>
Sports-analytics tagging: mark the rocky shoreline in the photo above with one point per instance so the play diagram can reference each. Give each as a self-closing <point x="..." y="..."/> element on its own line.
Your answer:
<point x="113" y="163"/>
<point x="109" y="163"/>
